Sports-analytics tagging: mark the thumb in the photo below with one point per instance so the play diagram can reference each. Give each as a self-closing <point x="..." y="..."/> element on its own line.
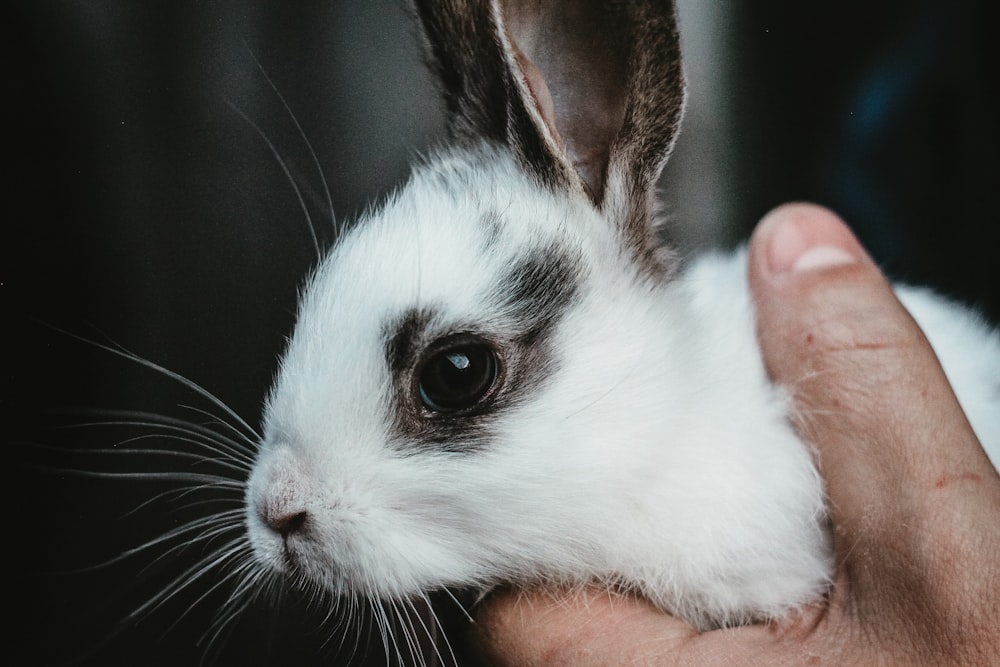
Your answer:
<point x="869" y="393"/>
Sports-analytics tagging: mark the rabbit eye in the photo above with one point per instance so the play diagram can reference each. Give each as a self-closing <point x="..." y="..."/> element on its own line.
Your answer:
<point x="458" y="375"/>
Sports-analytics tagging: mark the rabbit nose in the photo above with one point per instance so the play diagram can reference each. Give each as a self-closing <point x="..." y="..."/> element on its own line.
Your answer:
<point x="280" y="492"/>
<point x="286" y="522"/>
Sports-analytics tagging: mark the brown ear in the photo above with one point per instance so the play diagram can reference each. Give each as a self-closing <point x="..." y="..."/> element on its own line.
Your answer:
<point x="483" y="87"/>
<point x="588" y="94"/>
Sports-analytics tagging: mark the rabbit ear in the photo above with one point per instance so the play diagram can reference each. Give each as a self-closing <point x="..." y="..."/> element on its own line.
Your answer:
<point x="587" y="94"/>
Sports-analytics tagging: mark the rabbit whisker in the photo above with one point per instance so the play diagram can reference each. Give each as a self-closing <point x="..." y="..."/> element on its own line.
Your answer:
<point x="215" y="560"/>
<point x="288" y="175"/>
<point x="305" y="140"/>
<point x="235" y="549"/>
<point x="201" y="435"/>
<point x="196" y="388"/>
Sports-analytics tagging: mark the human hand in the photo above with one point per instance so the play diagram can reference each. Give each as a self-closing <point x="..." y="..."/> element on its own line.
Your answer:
<point x="914" y="500"/>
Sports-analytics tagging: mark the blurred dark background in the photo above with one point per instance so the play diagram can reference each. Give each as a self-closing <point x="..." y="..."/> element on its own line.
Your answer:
<point x="145" y="208"/>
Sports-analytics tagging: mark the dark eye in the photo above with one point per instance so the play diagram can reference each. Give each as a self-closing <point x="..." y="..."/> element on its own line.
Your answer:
<point x="457" y="376"/>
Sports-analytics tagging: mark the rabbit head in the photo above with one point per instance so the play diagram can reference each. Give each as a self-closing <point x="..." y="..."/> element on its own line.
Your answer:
<point x="428" y="339"/>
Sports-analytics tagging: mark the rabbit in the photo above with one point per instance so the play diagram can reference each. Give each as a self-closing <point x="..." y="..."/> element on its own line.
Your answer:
<point x="499" y="377"/>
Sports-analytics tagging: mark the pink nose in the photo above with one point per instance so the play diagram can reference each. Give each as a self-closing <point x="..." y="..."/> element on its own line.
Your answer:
<point x="286" y="522"/>
<point x="281" y="492"/>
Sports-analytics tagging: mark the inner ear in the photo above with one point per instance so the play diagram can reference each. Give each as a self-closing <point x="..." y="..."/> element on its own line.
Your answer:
<point x="571" y="58"/>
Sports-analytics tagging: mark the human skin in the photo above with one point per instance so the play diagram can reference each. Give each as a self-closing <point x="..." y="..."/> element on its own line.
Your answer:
<point x="914" y="501"/>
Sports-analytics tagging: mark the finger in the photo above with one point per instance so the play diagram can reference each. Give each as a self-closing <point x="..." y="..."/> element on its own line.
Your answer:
<point x="870" y="394"/>
<point x="594" y="627"/>
<point x="589" y="627"/>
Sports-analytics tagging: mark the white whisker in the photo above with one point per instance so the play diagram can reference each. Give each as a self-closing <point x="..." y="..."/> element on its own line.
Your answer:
<point x="174" y="495"/>
<point x="201" y="435"/>
<point x="197" y="459"/>
<point x="122" y="352"/>
<point x="465" y="612"/>
<point x="201" y="479"/>
<point x="239" y="440"/>
<point x="430" y="628"/>
<point x="305" y="140"/>
<point x="180" y="531"/>
<point x="440" y="635"/>
<point x="188" y="578"/>
<point x="288" y="174"/>
<point x="383" y="622"/>
<point x="223" y="623"/>
<point x="237" y="547"/>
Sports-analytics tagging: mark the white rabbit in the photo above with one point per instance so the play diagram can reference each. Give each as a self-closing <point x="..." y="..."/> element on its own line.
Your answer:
<point x="498" y="376"/>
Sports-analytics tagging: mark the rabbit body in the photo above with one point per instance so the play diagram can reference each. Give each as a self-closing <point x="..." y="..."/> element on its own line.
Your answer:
<point x="627" y="433"/>
<point x="637" y="441"/>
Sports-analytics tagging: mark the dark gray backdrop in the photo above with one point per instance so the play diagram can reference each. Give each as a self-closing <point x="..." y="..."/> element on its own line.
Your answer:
<point x="142" y="208"/>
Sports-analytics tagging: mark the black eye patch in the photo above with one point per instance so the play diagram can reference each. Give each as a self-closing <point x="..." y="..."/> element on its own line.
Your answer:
<point x="452" y="382"/>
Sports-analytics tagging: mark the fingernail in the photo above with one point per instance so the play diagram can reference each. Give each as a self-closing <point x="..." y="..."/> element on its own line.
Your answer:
<point x="822" y="257"/>
<point x="802" y="237"/>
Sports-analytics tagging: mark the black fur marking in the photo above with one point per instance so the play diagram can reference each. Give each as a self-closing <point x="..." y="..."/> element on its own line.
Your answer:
<point x="537" y="293"/>
<point x="415" y="428"/>
<point x="538" y="290"/>
<point x="403" y="344"/>
<point x="528" y="304"/>
<point x="493" y="226"/>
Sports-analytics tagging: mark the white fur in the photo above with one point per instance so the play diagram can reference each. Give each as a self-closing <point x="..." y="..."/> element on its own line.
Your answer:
<point x="658" y="456"/>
